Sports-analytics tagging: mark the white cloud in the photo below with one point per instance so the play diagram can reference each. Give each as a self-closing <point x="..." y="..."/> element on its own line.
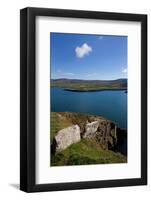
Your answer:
<point x="60" y="73"/>
<point x="100" y="37"/>
<point x="124" y="70"/>
<point x="82" y="51"/>
<point x="68" y="74"/>
<point x="93" y="74"/>
<point x="59" y="70"/>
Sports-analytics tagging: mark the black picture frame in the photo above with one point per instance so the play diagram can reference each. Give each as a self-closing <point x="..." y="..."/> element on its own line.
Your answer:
<point x="28" y="99"/>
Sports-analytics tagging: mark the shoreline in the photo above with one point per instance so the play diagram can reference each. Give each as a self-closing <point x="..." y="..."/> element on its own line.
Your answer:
<point x="95" y="90"/>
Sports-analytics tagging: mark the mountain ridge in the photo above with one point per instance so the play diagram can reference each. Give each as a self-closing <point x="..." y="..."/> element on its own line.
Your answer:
<point x="89" y="85"/>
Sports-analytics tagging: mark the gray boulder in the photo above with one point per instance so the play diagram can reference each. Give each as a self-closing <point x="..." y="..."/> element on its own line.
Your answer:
<point x="90" y="129"/>
<point x="66" y="137"/>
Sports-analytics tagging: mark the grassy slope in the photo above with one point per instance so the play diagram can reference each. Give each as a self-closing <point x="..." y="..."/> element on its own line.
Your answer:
<point x="57" y="124"/>
<point x="84" y="152"/>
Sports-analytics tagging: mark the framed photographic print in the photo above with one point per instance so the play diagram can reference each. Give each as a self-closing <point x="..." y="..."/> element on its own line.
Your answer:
<point x="83" y="95"/>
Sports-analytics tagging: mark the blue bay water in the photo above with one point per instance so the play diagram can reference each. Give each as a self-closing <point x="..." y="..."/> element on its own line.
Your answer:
<point x="109" y="104"/>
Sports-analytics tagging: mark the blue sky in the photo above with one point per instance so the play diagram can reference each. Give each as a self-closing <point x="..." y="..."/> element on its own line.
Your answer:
<point x="89" y="57"/>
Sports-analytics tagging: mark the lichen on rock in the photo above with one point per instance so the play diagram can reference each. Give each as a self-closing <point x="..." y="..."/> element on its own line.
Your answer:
<point x="66" y="137"/>
<point x="90" y="129"/>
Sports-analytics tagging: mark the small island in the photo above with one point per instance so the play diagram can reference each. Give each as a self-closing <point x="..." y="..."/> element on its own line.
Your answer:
<point x="75" y="85"/>
<point x="95" y="90"/>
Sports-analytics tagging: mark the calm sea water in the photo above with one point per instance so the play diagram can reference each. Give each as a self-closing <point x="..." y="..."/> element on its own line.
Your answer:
<point x="109" y="104"/>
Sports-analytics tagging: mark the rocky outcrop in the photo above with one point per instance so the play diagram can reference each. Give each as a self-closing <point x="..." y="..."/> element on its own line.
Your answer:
<point x="106" y="135"/>
<point x="66" y="137"/>
<point x="90" y="129"/>
<point x="103" y="131"/>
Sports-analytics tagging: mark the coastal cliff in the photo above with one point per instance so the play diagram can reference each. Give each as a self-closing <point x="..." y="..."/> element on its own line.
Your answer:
<point x="85" y="139"/>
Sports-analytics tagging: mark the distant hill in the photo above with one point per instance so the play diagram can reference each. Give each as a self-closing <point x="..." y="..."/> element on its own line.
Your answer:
<point x="89" y="85"/>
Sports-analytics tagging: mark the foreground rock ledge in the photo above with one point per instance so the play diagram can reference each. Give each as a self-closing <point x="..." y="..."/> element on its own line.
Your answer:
<point x="90" y="127"/>
<point x="67" y="136"/>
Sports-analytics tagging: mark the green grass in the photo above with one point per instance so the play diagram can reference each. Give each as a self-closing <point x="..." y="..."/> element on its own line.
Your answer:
<point x="86" y="152"/>
<point x="57" y="122"/>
